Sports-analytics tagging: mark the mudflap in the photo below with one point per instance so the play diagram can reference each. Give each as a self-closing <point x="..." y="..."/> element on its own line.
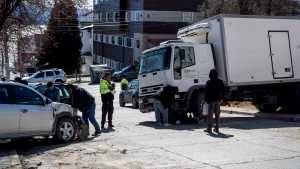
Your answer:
<point x="82" y="129"/>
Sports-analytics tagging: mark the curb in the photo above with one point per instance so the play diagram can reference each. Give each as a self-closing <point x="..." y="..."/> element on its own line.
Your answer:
<point x="282" y="117"/>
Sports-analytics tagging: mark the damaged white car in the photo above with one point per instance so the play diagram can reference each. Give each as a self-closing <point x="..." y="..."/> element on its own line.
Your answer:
<point x="24" y="112"/>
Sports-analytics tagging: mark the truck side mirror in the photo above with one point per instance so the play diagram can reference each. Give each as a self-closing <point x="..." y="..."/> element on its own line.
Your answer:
<point x="182" y="54"/>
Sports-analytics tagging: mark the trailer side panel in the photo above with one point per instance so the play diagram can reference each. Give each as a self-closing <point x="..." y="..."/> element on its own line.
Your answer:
<point x="249" y="54"/>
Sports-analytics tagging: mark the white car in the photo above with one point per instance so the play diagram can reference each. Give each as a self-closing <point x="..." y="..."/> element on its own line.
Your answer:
<point x="24" y="112"/>
<point x="44" y="76"/>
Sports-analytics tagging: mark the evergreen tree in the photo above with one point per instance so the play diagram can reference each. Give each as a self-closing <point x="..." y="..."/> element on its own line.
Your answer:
<point x="62" y="41"/>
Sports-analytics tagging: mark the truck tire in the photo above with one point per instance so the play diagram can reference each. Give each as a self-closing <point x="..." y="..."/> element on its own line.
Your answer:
<point x="65" y="130"/>
<point x="293" y="100"/>
<point x="135" y="103"/>
<point x="267" y="108"/>
<point x="172" y="117"/>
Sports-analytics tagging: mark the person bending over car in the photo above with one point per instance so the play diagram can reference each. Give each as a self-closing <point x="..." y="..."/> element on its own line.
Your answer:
<point x="85" y="102"/>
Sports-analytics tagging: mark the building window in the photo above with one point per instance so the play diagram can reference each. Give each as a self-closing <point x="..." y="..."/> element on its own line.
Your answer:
<point x="100" y="17"/>
<point x="127" y="16"/>
<point x="138" y="44"/>
<point x="120" y="41"/>
<point x="106" y="17"/>
<point x="108" y="39"/>
<point x="187" y="16"/>
<point x="113" y="41"/>
<point x="117" y="17"/>
<point x="101" y="37"/>
<point x="129" y="42"/>
<point x="104" y="38"/>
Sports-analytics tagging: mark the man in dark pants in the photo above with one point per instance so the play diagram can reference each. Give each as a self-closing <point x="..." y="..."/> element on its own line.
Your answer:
<point x="107" y="97"/>
<point x="214" y="95"/>
<point x="85" y="102"/>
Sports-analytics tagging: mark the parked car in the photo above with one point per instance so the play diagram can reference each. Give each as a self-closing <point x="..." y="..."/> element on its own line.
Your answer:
<point x="27" y="113"/>
<point x="130" y="72"/>
<point x="97" y="71"/>
<point x="44" y="76"/>
<point x="63" y="92"/>
<point x="130" y="95"/>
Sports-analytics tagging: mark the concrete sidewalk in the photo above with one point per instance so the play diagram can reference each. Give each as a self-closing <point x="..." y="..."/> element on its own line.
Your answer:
<point x="256" y="113"/>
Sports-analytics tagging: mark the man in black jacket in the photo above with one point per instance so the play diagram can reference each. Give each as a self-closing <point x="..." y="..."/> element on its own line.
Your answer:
<point x="85" y="102"/>
<point x="214" y="95"/>
<point x="162" y="104"/>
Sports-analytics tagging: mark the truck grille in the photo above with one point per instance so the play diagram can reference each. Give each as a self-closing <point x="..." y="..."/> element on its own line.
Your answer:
<point x="150" y="89"/>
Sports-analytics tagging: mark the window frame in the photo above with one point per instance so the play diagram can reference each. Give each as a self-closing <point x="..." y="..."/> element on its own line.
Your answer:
<point x="53" y="73"/>
<point x="38" y="74"/>
<point x="28" y="89"/>
<point x="9" y="93"/>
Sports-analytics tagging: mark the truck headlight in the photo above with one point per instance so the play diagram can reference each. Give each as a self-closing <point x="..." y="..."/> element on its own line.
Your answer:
<point x="177" y="96"/>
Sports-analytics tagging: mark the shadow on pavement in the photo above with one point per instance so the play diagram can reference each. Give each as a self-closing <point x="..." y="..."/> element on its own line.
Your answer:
<point x="36" y="146"/>
<point x="242" y="123"/>
<point x="220" y="135"/>
<point x="184" y="126"/>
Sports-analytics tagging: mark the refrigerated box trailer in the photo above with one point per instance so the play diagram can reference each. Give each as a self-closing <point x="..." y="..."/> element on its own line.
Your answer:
<point x="257" y="57"/>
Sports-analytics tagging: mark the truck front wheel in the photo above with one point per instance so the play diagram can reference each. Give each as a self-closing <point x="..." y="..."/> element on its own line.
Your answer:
<point x="269" y="108"/>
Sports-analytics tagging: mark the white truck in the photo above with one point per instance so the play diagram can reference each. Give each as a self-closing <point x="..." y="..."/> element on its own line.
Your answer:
<point x="258" y="58"/>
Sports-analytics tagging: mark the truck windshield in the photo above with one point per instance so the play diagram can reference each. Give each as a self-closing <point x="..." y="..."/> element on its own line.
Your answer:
<point x="156" y="60"/>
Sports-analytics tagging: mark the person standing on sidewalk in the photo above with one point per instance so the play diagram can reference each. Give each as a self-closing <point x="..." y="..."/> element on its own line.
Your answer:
<point x="85" y="102"/>
<point x="107" y="97"/>
<point x="214" y="94"/>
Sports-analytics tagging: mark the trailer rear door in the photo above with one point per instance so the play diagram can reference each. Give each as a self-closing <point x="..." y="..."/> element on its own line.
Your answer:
<point x="280" y="53"/>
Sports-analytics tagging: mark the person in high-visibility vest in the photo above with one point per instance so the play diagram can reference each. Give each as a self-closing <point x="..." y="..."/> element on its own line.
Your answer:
<point x="107" y="97"/>
<point x="124" y="83"/>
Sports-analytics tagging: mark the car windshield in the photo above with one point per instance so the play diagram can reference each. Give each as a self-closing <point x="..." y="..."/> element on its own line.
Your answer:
<point x="134" y="84"/>
<point x="127" y="68"/>
<point x="156" y="60"/>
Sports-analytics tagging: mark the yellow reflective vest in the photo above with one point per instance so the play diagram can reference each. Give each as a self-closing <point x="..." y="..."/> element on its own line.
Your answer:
<point x="124" y="82"/>
<point x="105" y="87"/>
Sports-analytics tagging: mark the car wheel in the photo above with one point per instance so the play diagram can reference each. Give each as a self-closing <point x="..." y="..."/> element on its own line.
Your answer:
<point x="65" y="130"/>
<point x="122" y="104"/>
<point x="135" y="103"/>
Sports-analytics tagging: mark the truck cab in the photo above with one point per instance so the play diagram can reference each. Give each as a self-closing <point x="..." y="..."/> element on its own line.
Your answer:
<point x="175" y="63"/>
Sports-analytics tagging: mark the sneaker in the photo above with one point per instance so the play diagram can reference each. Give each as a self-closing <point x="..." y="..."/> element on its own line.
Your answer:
<point x="97" y="133"/>
<point x="208" y="131"/>
<point x="216" y="130"/>
<point x="166" y="125"/>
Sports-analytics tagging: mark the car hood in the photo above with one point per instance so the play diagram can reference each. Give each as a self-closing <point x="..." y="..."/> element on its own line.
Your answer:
<point x="25" y="78"/>
<point x="62" y="108"/>
<point x="117" y="73"/>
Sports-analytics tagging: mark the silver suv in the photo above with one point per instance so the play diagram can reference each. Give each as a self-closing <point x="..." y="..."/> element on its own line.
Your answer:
<point x="25" y="112"/>
<point x="44" y="76"/>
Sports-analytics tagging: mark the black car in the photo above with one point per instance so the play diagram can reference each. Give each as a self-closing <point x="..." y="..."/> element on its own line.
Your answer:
<point x="63" y="92"/>
<point x="130" y="95"/>
<point x="130" y="72"/>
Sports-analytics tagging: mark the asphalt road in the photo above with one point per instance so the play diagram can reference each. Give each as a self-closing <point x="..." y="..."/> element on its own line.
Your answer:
<point x="138" y="142"/>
